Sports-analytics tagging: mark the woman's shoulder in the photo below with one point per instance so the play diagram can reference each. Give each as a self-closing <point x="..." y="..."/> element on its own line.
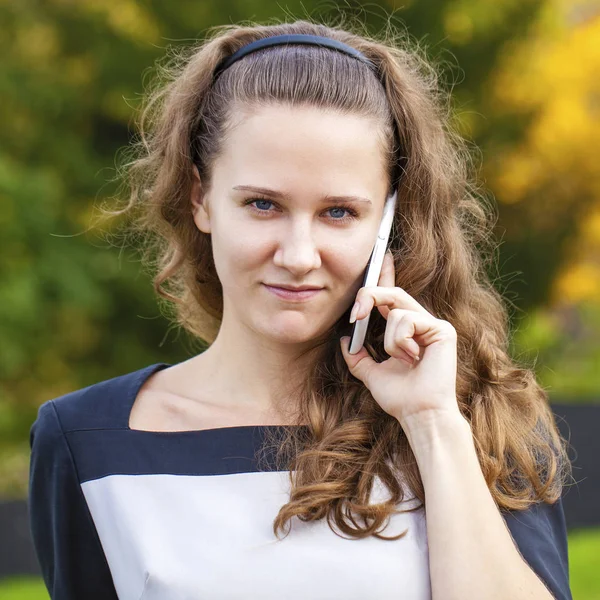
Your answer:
<point x="100" y="405"/>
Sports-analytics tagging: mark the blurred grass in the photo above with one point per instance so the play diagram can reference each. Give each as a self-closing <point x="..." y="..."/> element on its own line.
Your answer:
<point x="584" y="565"/>
<point x="23" y="588"/>
<point x="584" y="550"/>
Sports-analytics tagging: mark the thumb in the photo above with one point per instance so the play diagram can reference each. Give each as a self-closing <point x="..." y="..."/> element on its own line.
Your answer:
<point x="359" y="364"/>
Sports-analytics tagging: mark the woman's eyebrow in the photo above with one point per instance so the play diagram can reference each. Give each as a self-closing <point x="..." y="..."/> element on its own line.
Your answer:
<point x="276" y="194"/>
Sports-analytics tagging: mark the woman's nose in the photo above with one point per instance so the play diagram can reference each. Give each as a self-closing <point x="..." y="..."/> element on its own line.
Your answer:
<point x="298" y="251"/>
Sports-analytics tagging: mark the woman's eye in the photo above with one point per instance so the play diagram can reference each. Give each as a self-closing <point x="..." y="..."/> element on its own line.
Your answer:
<point x="261" y="202"/>
<point x="338" y="213"/>
<point x="337" y="210"/>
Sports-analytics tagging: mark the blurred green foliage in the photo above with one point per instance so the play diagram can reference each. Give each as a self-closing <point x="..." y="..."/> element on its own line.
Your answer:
<point x="74" y="309"/>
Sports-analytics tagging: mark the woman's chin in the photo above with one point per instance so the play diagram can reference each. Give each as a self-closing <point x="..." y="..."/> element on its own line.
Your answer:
<point x="288" y="330"/>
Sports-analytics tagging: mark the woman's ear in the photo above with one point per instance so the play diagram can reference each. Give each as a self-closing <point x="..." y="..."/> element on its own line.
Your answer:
<point x="199" y="207"/>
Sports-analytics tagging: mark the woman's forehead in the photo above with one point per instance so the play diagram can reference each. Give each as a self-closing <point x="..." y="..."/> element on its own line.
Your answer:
<point x="279" y="141"/>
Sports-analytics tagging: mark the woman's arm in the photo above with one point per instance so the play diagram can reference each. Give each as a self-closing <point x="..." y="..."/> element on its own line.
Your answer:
<point x="64" y="536"/>
<point x="471" y="551"/>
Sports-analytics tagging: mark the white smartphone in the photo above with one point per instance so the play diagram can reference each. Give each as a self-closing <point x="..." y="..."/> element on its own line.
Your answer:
<point x="373" y="270"/>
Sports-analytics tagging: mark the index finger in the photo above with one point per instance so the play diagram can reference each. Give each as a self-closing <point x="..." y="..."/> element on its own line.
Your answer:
<point x="387" y="278"/>
<point x="390" y="297"/>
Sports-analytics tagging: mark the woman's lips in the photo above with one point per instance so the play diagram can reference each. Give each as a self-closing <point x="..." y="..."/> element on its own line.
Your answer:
<point x="291" y="295"/>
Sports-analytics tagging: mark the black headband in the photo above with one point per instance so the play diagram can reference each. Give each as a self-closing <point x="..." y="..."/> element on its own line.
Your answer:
<point x="294" y="38"/>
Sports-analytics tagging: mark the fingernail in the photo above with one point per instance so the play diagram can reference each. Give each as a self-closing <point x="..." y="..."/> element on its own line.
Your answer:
<point x="354" y="312"/>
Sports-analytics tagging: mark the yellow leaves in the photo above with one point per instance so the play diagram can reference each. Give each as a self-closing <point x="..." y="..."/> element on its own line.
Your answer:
<point x="458" y="27"/>
<point x="580" y="278"/>
<point x="127" y="18"/>
<point x="556" y="77"/>
<point x="463" y="19"/>
<point x="36" y="43"/>
<point x="579" y="282"/>
<point x="560" y="59"/>
<point x="564" y="122"/>
<point x="590" y="229"/>
<point x="517" y="173"/>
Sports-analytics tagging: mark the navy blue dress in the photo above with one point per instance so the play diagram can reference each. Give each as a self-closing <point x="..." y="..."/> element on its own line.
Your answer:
<point x="143" y="515"/>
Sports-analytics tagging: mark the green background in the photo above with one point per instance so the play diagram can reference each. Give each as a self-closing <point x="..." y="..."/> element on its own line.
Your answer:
<point x="75" y="308"/>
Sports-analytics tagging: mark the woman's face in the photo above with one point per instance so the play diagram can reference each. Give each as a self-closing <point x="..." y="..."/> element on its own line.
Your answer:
<point x="273" y="219"/>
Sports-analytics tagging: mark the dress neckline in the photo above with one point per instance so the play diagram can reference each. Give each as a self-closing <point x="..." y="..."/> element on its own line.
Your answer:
<point x="144" y="375"/>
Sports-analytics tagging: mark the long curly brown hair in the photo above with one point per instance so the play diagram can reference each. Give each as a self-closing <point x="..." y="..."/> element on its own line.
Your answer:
<point x="441" y="241"/>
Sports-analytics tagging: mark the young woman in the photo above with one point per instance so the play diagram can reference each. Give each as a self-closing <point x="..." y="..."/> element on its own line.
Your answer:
<point x="275" y="464"/>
